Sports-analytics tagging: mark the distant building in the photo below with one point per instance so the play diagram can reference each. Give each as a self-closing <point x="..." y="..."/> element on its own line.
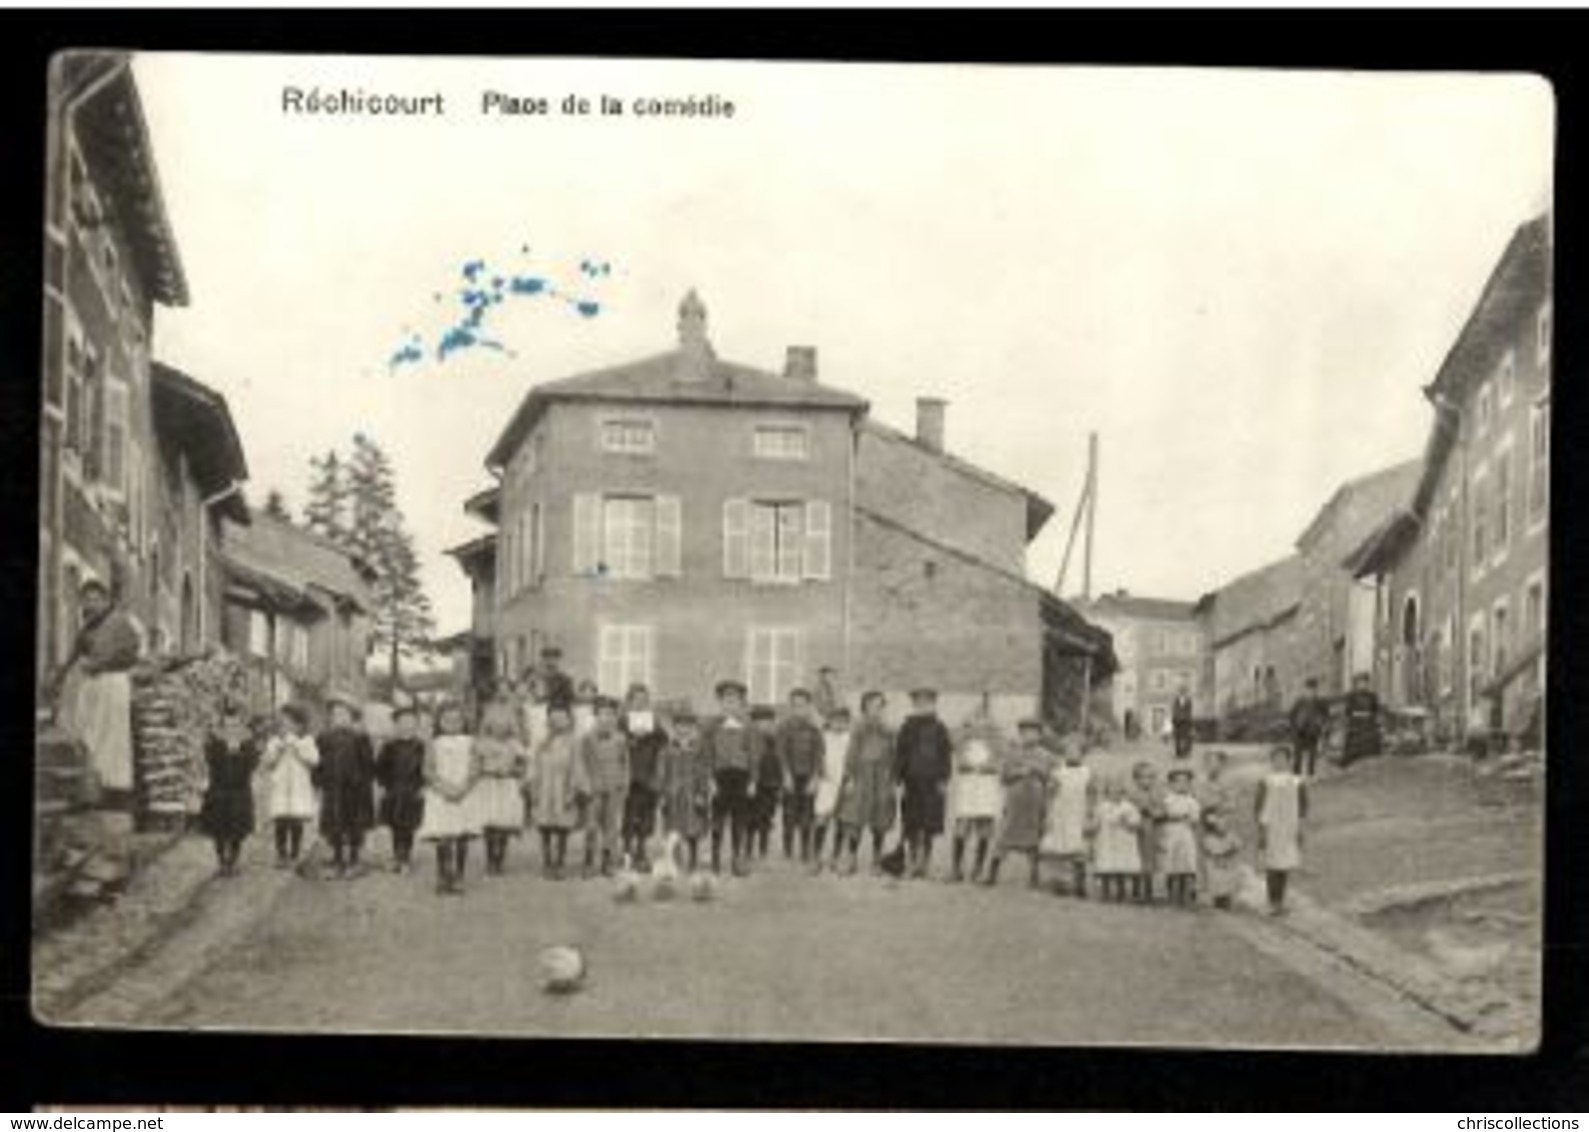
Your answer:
<point x="1254" y="639"/>
<point x="1460" y="571"/>
<point x="1161" y="647"/>
<point x="298" y="612"/>
<point x="682" y="518"/>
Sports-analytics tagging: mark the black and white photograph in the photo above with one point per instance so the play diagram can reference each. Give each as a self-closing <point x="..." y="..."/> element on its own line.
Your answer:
<point x="793" y="551"/>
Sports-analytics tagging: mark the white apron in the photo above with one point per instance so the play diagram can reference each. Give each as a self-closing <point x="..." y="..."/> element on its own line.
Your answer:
<point x="1066" y="835"/>
<point x="1281" y="820"/>
<point x="98" y="710"/>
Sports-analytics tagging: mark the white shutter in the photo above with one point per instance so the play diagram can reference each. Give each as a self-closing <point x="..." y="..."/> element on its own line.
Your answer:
<point x="610" y="657"/>
<point x="587" y="532"/>
<point x="736" y="524"/>
<point x="669" y="514"/>
<point x="763" y="542"/>
<point x="819" y="540"/>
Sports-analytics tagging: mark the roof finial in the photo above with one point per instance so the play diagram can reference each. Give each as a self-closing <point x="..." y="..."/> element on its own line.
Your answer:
<point x="692" y="324"/>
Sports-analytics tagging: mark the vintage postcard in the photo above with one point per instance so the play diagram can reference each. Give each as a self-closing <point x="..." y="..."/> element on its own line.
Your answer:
<point x="772" y="551"/>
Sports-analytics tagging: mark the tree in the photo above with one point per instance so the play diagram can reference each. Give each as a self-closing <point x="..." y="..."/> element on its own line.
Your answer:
<point x="327" y="510"/>
<point x="276" y="506"/>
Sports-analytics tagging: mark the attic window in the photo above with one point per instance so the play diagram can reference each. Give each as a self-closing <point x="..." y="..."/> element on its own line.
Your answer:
<point x="628" y="435"/>
<point x="782" y="442"/>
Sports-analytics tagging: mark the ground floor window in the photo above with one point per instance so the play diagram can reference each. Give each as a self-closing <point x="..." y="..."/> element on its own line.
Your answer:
<point x="625" y="654"/>
<point x="773" y="663"/>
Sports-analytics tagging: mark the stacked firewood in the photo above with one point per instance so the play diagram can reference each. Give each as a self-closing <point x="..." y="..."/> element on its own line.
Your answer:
<point x="175" y="704"/>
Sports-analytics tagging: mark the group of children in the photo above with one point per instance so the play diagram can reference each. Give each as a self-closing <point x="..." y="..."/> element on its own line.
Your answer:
<point x="613" y="775"/>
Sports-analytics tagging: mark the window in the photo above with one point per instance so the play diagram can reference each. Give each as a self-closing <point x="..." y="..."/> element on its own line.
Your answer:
<point x="775" y="542"/>
<point x="1158" y="680"/>
<point x="624" y="655"/>
<point x="507" y="579"/>
<point x="258" y="633"/>
<point x="300" y="648"/>
<point x="114" y="471"/>
<point x="1475" y="660"/>
<point x="1448" y="654"/>
<point x="1542" y="339"/>
<point x="77" y="369"/>
<point x="625" y="536"/>
<point x="630" y="435"/>
<point x="779" y="541"/>
<point x="773" y="663"/>
<point x="1534" y="609"/>
<point x="1506" y="378"/>
<point x="1478" y="505"/>
<point x="1500" y="638"/>
<point x="627" y="528"/>
<point x="1503" y="502"/>
<point x="1538" y="462"/>
<point x="1483" y="407"/>
<point x="782" y="442"/>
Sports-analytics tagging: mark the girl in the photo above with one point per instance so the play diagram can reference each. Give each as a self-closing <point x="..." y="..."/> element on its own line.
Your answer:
<point x="1118" y="857"/>
<point x="830" y="777"/>
<point x="686" y="785"/>
<point x="451" y="769"/>
<point x="1148" y="797"/>
<point x="553" y="784"/>
<point x="347" y="787"/>
<point x="867" y="798"/>
<point x="499" y="793"/>
<point x="585" y="696"/>
<point x="977" y="794"/>
<point x="400" y="770"/>
<point x="1179" y="837"/>
<point x="290" y="758"/>
<point x="232" y="756"/>
<point x="1026" y="776"/>
<point x="1281" y="806"/>
<point x="1220" y="849"/>
<point x="1070" y="815"/>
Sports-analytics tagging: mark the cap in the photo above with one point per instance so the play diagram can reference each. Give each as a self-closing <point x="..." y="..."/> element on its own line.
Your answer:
<point x="727" y="687"/>
<point x="346" y="701"/>
<point x="601" y="702"/>
<point x="551" y="652"/>
<point x="685" y="714"/>
<point x="1179" y="772"/>
<point x="924" y="694"/>
<point x="840" y="712"/>
<point x="1029" y="725"/>
<point x="762" y="711"/>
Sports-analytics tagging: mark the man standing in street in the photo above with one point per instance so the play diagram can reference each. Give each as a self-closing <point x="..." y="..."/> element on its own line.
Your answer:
<point x="1307" y="729"/>
<point x="923" y="761"/>
<point x="1181" y="722"/>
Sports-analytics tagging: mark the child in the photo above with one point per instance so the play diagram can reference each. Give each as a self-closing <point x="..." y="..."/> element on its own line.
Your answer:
<point x="232" y="756"/>
<point x="400" y="770"/>
<point x="1281" y="806"/>
<point x="1026" y="776"/>
<point x="646" y="741"/>
<point x="451" y="769"/>
<point x="923" y="761"/>
<point x="686" y="785"/>
<point x="291" y="757"/>
<point x="1148" y="797"/>
<point x="553" y="784"/>
<point x="866" y="800"/>
<point x="830" y="777"/>
<point x="732" y="756"/>
<point x="499" y="793"/>
<point x="346" y="776"/>
<point x="1070" y="815"/>
<point x="604" y="777"/>
<point x="800" y="747"/>
<point x="1178" y="837"/>
<point x="977" y="793"/>
<point x="1214" y="794"/>
<point x="768" y="779"/>
<point x="1117" y="854"/>
<point x="585" y="697"/>
<point x="1220" y="850"/>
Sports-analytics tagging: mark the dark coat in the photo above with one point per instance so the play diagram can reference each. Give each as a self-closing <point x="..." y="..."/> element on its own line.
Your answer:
<point x="228" y="809"/>
<point x="346" y="780"/>
<point x="1181" y="713"/>
<point x="645" y="758"/>
<point x="866" y="799"/>
<point x="800" y="747"/>
<point x="1362" y="725"/>
<point x="400" y="769"/>
<point x="1307" y="720"/>
<point x="923" y="761"/>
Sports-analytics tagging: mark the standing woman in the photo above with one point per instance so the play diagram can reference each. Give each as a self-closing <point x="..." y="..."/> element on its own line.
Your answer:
<point x="232" y="756"/>
<point x="1362" y="722"/>
<point x="866" y="800"/>
<point x="94" y="688"/>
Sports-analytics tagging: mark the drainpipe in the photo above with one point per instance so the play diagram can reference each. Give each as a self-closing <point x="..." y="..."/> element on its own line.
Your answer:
<point x="849" y="570"/>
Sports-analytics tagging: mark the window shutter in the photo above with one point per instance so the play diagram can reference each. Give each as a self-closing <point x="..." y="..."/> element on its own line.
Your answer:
<point x="736" y="535"/>
<point x="610" y="653"/>
<point x="819" y="540"/>
<point x="669" y="515"/>
<point x="587" y="533"/>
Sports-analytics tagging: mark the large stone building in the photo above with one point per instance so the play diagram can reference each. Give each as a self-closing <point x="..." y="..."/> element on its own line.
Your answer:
<point x="682" y="518"/>
<point x="1161" y="646"/>
<point x="1460" y="570"/>
<point x="138" y="464"/>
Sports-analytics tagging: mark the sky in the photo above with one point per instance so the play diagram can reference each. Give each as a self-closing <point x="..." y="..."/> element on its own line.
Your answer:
<point x="1239" y="280"/>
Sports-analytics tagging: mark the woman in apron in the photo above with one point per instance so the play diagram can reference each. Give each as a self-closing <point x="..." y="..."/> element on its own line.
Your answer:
<point x="96" y="688"/>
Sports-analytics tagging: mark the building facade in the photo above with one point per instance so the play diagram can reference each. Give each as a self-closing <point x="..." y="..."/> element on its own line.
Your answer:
<point x="1161" y="646"/>
<point x="680" y="519"/>
<point x="1460" y="572"/>
<point x="1254" y="640"/>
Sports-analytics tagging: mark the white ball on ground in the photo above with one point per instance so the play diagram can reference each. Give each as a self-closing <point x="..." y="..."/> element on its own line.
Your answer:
<point x="562" y="969"/>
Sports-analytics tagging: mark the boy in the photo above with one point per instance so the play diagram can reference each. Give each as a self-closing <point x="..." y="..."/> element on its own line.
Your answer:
<point x="646" y="741"/>
<point x="768" y="779"/>
<point x="686" y="784"/>
<point x="604" y="773"/>
<point x="346" y="779"/>
<point x="800" y="748"/>
<point x="731" y="754"/>
<point x="1026" y="776"/>
<point x="830" y="777"/>
<point x="922" y="764"/>
<point x="1308" y="717"/>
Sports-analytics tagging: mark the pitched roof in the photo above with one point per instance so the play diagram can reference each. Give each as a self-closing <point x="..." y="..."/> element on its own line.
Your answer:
<point x="1256" y="600"/>
<point x="485" y="504"/>
<point x="193" y="418"/>
<point x="1038" y="509"/>
<point x="475" y="550"/>
<point x="677" y="377"/>
<point x="1378" y="495"/>
<point x="1122" y="604"/>
<point x="297" y="559"/>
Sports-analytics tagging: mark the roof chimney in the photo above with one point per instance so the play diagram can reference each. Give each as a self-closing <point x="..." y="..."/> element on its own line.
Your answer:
<point x="693" y="343"/>
<point x="800" y="363"/>
<point x="929" y="422"/>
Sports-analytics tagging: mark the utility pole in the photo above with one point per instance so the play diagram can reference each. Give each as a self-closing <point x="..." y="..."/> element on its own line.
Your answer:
<point x="1092" y="511"/>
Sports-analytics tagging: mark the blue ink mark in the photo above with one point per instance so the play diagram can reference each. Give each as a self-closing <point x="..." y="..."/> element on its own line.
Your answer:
<point x="588" y="308"/>
<point x="410" y="352"/>
<point x="473" y="268"/>
<point x="527" y="284"/>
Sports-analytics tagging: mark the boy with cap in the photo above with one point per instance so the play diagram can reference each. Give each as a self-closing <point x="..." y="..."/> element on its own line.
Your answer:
<point x="1308" y="716"/>
<point x="646" y="741"/>
<point x="731" y="753"/>
<point x="604" y="775"/>
<point x="767" y="779"/>
<point x="800" y="748"/>
<point x="922" y="764"/>
<point x="556" y="685"/>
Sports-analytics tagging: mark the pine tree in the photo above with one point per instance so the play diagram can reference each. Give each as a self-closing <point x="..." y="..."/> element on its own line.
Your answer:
<point x="276" y="506"/>
<point x="327" y="510"/>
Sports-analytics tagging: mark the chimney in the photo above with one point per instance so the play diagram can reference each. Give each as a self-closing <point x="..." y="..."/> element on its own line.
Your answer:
<point x="693" y="342"/>
<point x="800" y="363"/>
<point x="929" y="422"/>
